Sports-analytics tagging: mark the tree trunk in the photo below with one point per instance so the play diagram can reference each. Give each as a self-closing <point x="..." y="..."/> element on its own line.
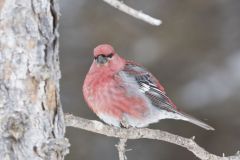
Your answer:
<point x="31" y="117"/>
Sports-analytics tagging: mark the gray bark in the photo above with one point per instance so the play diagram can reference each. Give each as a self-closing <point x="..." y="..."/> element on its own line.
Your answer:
<point x="31" y="117"/>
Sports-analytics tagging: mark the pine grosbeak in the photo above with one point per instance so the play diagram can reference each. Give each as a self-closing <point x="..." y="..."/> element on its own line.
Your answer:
<point x="123" y="93"/>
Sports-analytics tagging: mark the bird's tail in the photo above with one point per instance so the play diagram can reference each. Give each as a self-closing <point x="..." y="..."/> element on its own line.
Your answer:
<point x="197" y="122"/>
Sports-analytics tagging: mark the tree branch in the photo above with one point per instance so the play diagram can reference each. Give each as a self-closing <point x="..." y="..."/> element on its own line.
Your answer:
<point x="121" y="148"/>
<point x="137" y="14"/>
<point x="138" y="133"/>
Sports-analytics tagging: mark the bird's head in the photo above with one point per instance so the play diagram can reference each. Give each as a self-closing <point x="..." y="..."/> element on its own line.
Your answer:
<point x="103" y="54"/>
<point x="106" y="57"/>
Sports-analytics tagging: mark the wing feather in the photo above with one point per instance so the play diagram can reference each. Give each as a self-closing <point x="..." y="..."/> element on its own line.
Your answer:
<point x="149" y="86"/>
<point x="152" y="89"/>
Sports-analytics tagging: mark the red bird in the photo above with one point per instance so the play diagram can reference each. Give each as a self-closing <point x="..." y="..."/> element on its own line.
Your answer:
<point x="123" y="93"/>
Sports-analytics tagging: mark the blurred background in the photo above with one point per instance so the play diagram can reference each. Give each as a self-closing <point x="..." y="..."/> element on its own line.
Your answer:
<point x="195" y="53"/>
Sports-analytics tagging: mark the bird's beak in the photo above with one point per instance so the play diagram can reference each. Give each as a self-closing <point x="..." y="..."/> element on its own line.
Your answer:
<point x="101" y="59"/>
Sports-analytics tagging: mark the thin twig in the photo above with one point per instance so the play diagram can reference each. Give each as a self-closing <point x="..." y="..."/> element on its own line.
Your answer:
<point x="121" y="148"/>
<point x="138" y="133"/>
<point x="137" y="14"/>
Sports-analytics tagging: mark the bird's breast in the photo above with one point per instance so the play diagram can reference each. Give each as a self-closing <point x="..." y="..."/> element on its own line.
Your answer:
<point x="108" y="95"/>
<point x="98" y="92"/>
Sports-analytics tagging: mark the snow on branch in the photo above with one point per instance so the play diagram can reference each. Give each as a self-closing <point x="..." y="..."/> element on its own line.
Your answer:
<point x="137" y="14"/>
<point x="139" y="133"/>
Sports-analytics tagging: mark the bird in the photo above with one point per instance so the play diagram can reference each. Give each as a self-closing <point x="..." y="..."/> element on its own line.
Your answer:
<point x="123" y="93"/>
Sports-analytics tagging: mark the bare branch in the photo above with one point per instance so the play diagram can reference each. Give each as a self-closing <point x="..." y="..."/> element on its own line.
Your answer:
<point x="138" y="133"/>
<point x="121" y="148"/>
<point x="137" y="14"/>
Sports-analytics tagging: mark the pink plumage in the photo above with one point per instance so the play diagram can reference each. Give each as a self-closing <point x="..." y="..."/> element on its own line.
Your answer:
<point x="123" y="93"/>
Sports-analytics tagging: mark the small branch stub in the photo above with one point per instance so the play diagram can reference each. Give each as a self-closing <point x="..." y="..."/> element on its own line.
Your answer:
<point x="121" y="148"/>
<point x="137" y="14"/>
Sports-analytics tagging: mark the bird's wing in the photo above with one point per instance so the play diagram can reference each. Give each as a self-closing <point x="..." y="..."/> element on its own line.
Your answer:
<point x="148" y="85"/>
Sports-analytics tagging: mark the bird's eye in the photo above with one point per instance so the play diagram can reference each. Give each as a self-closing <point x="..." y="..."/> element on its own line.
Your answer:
<point x="110" y="55"/>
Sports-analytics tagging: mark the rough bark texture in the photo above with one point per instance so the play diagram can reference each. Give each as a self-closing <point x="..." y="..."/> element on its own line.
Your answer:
<point x="31" y="118"/>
